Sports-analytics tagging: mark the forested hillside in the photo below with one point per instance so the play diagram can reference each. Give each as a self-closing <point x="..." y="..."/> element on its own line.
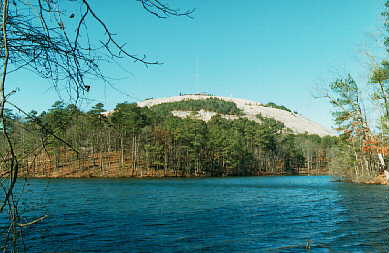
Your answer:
<point x="204" y="106"/>
<point x="135" y="141"/>
<point x="210" y="104"/>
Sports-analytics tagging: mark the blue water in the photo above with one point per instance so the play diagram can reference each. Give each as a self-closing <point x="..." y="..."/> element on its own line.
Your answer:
<point x="244" y="214"/>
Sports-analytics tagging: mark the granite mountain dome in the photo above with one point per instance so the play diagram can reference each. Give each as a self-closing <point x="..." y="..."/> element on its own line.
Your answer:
<point x="247" y="109"/>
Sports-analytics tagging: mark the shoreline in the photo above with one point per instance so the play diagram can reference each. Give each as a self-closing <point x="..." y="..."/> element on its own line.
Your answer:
<point x="165" y="177"/>
<point x="381" y="179"/>
<point x="378" y="180"/>
<point x="161" y="176"/>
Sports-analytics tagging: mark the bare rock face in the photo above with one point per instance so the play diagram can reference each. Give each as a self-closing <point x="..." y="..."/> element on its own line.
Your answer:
<point x="386" y="174"/>
<point x="251" y="109"/>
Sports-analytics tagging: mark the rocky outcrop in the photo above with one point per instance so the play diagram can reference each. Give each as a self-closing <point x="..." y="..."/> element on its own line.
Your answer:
<point x="386" y="174"/>
<point x="297" y="123"/>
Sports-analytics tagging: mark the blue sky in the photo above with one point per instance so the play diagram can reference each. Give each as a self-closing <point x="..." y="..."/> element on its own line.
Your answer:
<point x="262" y="50"/>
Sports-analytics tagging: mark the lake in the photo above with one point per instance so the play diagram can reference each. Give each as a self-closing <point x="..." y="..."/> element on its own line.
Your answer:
<point x="237" y="214"/>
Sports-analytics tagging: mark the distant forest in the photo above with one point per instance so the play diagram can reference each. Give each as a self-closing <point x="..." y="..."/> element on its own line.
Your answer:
<point x="210" y="104"/>
<point x="134" y="141"/>
<point x="281" y="107"/>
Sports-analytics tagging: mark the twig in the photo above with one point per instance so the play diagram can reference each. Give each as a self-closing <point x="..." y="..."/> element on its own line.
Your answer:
<point x="32" y="222"/>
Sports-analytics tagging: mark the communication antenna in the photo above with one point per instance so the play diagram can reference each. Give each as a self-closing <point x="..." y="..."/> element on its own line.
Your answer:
<point x="196" y="75"/>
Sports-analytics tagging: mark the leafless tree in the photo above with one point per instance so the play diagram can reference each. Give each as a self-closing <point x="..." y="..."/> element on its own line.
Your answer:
<point x="50" y="38"/>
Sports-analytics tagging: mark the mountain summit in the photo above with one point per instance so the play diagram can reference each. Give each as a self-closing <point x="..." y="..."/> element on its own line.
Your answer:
<point x="248" y="109"/>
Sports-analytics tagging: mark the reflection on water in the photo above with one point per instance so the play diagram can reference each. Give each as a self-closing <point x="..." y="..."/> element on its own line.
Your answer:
<point x="248" y="214"/>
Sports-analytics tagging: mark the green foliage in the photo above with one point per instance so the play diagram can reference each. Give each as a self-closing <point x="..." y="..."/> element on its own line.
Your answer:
<point x="380" y="74"/>
<point x="357" y="150"/>
<point x="281" y="107"/>
<point x="345" y="98"/>
<point x="209" y="104"/>
<point x="128" y="116"/>
<point x="380" y="77"/>
<point x="97" y="109"/>
<point x="385" y="14"/>
<point x="10" y="118"/>
<point x="219" y="147"/>
<point x="59" y="116"/>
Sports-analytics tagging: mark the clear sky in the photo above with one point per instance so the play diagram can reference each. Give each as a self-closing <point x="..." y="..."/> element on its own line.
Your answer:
<point x="262" y="50"/>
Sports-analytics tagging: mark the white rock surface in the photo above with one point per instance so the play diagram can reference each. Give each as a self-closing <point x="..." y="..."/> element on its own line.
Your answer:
<point x="386" y="173"/>
<point x="203" y="115"/>
<point x="296" y="122"/>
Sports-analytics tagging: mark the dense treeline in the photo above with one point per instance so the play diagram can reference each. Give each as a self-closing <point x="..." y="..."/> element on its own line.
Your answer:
<point x="281" y="107"/>
<point x="210" y="104"/>
<point x="362" y="152"/>
<point x="134" y="141"/>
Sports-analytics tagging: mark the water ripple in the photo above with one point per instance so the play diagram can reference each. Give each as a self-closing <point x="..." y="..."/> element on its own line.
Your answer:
<point x="256" y="214"/>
